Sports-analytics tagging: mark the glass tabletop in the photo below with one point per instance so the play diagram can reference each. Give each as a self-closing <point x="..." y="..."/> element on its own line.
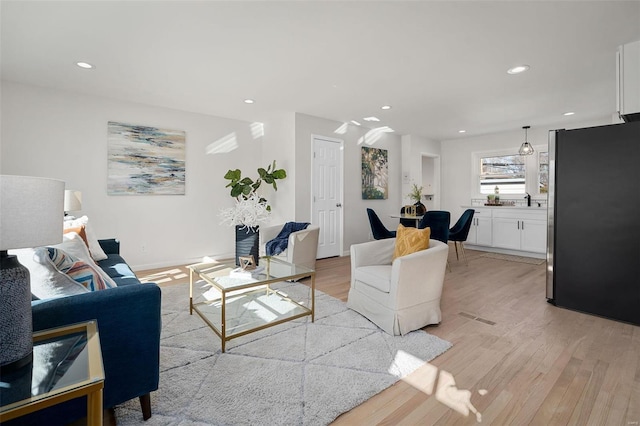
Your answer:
<point x="63" y="360"/>
<point x="225" y="275"/>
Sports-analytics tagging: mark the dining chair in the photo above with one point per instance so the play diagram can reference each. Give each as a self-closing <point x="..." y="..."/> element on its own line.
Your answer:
<point x="460" y="232"/>
<point x="438" y="221"/>
<point x="378" y="229"/>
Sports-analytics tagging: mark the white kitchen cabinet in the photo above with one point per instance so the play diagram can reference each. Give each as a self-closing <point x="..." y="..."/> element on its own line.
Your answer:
<point x="628" y="79"/>
<point x="484" y="234"/>
<point x="509" y="230"/>
<point x="533" y="235"/>
<point x="506" y="233"/>
<point x="480" y="232"/>
<point x="520" y="230"/>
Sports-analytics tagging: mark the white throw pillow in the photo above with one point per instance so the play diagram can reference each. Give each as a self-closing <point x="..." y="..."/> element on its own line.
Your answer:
<point x="94" y="246"/>
<point x="75" y="246"/>
<point x="46" y="281"/>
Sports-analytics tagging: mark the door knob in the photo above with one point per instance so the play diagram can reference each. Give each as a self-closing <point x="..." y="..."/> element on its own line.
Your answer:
<point x="339" y="205"/>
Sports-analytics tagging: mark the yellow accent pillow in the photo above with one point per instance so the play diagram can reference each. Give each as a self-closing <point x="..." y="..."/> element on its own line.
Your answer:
<point x="410" y="240"/>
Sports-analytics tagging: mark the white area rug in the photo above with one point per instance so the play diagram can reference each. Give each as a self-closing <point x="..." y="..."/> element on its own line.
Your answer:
<point x="513" y="258"/>
<point x="297" y="373"/>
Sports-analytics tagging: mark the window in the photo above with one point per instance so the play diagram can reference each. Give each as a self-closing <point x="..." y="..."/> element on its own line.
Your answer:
<point x="507" y="172"/>
<point x="543" y="172"/>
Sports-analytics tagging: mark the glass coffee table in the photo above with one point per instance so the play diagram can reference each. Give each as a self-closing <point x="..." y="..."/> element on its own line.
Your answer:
<point x="234" y="306"/>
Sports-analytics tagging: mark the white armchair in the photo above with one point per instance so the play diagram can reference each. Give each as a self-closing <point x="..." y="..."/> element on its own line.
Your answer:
<point x="399" y="296"/>
<point x="302" y="246"/>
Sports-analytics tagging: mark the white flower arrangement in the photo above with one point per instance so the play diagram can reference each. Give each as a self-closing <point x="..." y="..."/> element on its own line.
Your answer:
<point x="248" y="212"/>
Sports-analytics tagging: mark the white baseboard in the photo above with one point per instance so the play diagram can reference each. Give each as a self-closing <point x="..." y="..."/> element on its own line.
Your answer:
<point x="180" y="262"/>
<point x="506" y="251"/>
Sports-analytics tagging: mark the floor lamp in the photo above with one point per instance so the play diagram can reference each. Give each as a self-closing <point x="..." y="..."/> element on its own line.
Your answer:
<point x="31" y="215"/>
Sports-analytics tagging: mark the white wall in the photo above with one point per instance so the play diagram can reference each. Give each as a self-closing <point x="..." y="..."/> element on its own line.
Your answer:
<point x="414" y="149"/>
<point x="279" y="144"/>
<point x="457" y="155"/>
<point x="356" y="223"/>
<point x="63" y="135"/>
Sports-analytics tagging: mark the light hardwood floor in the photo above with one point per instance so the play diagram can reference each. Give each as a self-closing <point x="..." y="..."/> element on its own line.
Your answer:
<point x="539" y="364"/>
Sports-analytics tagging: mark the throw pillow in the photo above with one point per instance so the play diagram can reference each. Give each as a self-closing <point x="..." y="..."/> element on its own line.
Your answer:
<point x="94" y="246"/>
<point x="80" y="230"/>
<point x="80" y="271"/>
<point x="46" y="281"/>
<point x="73" y="245"/>
<point x="410" y="240"/>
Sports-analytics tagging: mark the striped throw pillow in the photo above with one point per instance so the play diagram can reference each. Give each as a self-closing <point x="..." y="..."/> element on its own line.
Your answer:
<point x="78" y="270"/>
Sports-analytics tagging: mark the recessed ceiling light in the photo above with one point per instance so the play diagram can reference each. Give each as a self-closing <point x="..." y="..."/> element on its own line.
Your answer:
<point x="518" y="69"/>
<point x="569" y="113"/>
<point x="355" y="122"/>
<point x="372" y="118"/>
<point x="462" y="131"/>
<point x="84" y="65"/>
<point x="248" y="101"/>
<point x="385" y="107"/>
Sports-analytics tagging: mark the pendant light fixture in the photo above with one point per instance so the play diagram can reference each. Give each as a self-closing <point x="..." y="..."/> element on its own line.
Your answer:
<point x="525" y="148"/>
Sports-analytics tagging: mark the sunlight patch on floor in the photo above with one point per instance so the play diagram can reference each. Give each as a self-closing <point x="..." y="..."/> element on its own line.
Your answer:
<point x="446" y="391"/>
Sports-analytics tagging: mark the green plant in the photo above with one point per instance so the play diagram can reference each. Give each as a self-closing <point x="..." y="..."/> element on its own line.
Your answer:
<point x="245" y="187"/>
<point x="416" y="193"/>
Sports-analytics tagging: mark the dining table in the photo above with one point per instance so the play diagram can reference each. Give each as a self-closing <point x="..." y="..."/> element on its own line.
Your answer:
<point x="416" y="217"/>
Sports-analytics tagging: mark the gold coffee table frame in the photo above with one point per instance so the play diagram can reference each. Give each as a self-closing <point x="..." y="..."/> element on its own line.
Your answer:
<point x="90" y="385"/>
<point x="253" y="304"/>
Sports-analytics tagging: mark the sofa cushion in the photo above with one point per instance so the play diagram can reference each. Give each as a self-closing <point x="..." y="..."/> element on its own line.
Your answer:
<point x="80" y="230"/>
<point x="115" y="266"/>
<point x="94" y="247"/>
<point x="410" y="240"/>
<point x="376" y="276"/>
<point x="46" y="281"/>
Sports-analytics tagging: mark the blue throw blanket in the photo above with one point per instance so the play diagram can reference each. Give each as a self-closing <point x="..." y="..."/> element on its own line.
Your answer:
<point x="280" y="243"/>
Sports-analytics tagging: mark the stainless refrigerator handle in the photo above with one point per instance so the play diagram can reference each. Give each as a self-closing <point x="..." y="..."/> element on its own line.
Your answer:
<point x="550" y="293"/>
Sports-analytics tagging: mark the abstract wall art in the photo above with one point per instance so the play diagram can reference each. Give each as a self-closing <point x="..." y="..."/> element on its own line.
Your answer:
<point x="375" y="174"/>
<point x="145" y="160"/>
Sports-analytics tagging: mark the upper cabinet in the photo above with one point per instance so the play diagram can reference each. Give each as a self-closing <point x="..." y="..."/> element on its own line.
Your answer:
<point x="628" y="81"/>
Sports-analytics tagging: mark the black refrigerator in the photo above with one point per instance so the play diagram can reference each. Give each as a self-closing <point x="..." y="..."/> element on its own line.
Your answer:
<point x="593" y="253"/>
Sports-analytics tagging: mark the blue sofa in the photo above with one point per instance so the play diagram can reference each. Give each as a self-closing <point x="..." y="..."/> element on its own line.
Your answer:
<point x="128" y="319"/>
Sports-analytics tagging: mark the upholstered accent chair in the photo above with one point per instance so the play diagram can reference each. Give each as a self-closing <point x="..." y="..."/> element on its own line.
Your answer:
<point x="399" y="295"/>
<point x="302" y="247"/>
<point x="378" y="230"/>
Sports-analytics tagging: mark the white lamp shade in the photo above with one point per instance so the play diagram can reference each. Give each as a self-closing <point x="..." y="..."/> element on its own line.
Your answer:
<point x="72" y="201"/>
<point x="31" y="211"/>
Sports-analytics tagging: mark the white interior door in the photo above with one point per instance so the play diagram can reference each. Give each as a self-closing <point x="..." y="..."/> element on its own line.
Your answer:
<point x="326" y="197"/>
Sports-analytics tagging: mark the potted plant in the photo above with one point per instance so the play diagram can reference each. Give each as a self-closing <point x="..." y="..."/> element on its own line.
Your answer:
<point x="416" y="195"/>
<point x="250" y="208"/>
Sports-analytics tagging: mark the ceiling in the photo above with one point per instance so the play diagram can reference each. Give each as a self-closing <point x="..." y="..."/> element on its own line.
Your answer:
<point x="440" y="65"/>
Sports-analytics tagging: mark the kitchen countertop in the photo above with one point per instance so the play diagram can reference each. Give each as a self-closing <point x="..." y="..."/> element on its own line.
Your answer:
<point x="534" y="207"/>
